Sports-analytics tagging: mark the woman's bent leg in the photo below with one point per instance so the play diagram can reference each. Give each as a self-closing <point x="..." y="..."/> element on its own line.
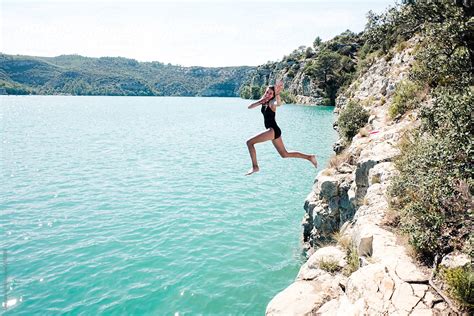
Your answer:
<point x="259" y="138"/>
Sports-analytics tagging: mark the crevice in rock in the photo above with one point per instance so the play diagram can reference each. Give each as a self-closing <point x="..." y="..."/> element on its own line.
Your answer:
<point x="413" y="308"/>
<point x="342" y="286"/>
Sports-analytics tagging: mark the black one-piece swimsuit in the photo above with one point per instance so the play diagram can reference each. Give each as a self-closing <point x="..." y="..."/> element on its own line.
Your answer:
<point x="269" y="117"/>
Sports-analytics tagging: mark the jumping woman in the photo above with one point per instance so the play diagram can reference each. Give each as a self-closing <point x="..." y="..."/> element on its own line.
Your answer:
<point x="270" y="101"/>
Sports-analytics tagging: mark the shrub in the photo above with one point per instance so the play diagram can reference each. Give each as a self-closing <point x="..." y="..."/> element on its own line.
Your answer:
<point x="433" y="190"/>
<point x="326" y="101"/>
<point x="287" y="97"/>
<point x="460" y="282"/>
<point x="375" y="178"/>
<point x="434" y="185"/>
<point x="364" y="64"/>
<point x="352" y="261"/>
<point x="407" y="97"/>
<point x="330" y="265"/>
<point x="351" y="119"/>
<point x="245" y="92"/>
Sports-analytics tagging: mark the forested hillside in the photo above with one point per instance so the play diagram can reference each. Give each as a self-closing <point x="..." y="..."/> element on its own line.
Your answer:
<point x="78" y="75"/>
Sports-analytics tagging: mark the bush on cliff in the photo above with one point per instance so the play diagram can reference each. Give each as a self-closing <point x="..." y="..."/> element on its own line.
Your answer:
<point x="251" y="92"/>
<point x="407" y="96"/>
<point x="351" y="119"/>
<point x="460" y="282"/>
<point x="433" y="190"/>
<point x="287" y="97"/>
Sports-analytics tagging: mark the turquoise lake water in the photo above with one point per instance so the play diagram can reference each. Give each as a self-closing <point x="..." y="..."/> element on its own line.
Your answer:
<point x="140" y="205"/>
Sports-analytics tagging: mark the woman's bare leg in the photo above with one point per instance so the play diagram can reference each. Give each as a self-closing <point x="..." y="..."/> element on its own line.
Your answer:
<point x="259" y="138"/>
<point x="280" y="147"/>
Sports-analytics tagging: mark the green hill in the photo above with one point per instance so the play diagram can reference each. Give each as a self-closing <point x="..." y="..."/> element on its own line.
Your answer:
<point x="79" y="75"/>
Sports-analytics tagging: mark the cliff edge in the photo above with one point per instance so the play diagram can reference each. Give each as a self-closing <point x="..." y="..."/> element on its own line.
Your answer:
<point x="369" y="271"/>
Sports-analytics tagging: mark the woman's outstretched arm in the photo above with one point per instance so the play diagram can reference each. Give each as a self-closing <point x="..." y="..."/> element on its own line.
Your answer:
<point x="261" y="101"/>
<point x="251" y="106"/>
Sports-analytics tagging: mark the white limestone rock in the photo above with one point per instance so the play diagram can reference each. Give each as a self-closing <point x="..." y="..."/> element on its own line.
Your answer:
<point x="456" y="260"/>
<point x="304" y="297"/>
<point x="329" y="253"/>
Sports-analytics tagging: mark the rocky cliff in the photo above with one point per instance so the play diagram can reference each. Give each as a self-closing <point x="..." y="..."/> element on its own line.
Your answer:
<point x="305" y="89"/>
<point x="357" y="265"/>
<point x="311" y="75"/>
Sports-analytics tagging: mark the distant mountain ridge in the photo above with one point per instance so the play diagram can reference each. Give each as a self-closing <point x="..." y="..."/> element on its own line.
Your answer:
<point x="79" y="75"/>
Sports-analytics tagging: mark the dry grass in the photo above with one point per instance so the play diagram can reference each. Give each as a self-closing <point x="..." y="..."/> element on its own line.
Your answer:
<point x="375" y="178"/>
<point x="404" y="240"/>
<point x="391" y="218"/>
<point x="352" y="261"/>
<point x="371" y="259"/>
<point x="339" y="159"/>
<point x="328" y="172"/>
<point x="401" y="46"/>
<point x="364" y="132"/>
<point x="360" y="201"/>
<point x="352" y="256"/>
<point x="343" y="240"/>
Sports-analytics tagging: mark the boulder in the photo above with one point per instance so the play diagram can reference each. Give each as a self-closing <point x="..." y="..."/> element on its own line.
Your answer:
<point x="374" y="285"/>
<point x="456" y="260"/>
<point x="304" y="297"/>
<point x="329" y="253"/>
<point x="327" y="186"/>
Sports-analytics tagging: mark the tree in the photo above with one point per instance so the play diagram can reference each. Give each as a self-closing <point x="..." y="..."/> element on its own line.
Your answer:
<point x="317" y="42"/>
<point x="326" y="65"/>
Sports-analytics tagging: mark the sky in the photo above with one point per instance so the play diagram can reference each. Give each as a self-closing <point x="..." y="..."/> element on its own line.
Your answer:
<point x="207" y="33"/>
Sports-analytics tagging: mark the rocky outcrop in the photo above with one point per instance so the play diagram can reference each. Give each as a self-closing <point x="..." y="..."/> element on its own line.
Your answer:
<point x="311" y="75"/>
<point x="349" y="199"/>
<point x="305" y="89"/>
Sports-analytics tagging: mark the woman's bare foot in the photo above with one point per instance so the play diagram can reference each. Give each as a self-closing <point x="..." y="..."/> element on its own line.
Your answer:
<point x="252" y="170"/>
<point x="313" y="160"/>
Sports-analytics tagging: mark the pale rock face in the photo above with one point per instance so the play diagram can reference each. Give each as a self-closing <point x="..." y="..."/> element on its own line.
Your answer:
<point x="302" y="99"/>
<point x="381" y="173"/>
<point x="456" y="260"/>
<point x="403" y="298"/>
<point x="330" y="253"/>
<point x="373" y="284"/>
<point x="342" y="306"/>
<point x="304" y="297"/>
<point x="327" y="205"/>
<point x="423" y="310"/>
<point x="308" y="273"/>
